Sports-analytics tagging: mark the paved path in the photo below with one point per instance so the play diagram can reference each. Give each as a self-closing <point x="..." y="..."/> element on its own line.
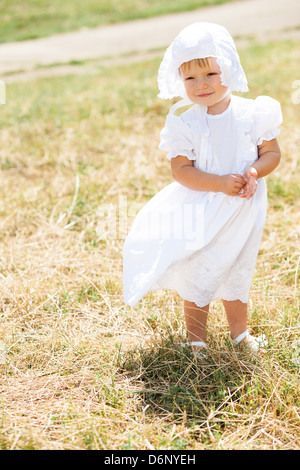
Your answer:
<point x="241" y="18"/>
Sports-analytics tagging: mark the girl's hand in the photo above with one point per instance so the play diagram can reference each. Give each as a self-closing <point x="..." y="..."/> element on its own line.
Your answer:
<point x="232" y="184"/>
<point x="249" y="189"/>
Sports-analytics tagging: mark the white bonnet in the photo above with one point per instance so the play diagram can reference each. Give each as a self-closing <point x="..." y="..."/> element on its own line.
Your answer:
<point x="197" y="41"/>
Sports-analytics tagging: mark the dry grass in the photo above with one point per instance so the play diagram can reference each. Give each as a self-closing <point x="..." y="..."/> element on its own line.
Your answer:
<point x="79" y="370"/>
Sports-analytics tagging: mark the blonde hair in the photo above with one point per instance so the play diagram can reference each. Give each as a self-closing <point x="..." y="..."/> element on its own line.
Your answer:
<point x="185" y="67"/>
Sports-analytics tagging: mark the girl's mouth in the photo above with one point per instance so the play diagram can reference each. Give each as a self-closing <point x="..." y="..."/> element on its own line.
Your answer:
<point x="204" y="95"/>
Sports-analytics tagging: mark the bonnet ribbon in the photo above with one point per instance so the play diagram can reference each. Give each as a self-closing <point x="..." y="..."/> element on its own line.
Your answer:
<point x="202" y="134"/>
<point x="179" y="104"/>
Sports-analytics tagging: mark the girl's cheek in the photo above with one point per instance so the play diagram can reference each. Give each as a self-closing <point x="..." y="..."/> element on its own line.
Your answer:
<point x="188" y="87"/>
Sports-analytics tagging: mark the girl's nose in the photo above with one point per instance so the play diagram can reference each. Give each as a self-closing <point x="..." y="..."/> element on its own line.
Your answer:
<point x="201" y="83"/>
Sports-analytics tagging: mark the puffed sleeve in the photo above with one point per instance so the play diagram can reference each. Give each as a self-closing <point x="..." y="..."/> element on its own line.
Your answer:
<point x="267" y="118"/>
<point x="176" y="138"/>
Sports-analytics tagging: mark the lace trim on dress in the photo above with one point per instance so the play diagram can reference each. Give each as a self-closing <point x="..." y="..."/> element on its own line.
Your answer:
<point x="270" y="135"/>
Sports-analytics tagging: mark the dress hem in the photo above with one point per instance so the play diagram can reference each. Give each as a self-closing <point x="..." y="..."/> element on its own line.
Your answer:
<point x="133" y="301"/>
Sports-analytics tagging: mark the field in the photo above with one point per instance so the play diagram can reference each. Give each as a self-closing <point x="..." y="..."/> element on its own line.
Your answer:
<point x="39" y="18"/>
<point x="79" y="369"/>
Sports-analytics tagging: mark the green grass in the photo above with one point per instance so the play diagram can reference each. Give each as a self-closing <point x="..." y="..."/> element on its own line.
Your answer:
<point x="39" y="18"/>
<point x="79" y="369"/>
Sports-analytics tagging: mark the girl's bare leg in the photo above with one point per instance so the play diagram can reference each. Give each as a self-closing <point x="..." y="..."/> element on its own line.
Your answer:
<point x="195" y="319"/>
<point x="236" y="312"/>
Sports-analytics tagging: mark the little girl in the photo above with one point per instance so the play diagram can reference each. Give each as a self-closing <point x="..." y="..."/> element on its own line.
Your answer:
<point x="200" y="235"/>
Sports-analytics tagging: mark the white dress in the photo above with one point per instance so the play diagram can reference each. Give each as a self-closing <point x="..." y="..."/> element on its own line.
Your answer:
<point x="203" y="244"/>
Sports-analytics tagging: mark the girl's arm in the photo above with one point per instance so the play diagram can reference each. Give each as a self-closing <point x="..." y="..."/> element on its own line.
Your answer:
<point x="268" y="159"/>
<point x="185" y="173"/>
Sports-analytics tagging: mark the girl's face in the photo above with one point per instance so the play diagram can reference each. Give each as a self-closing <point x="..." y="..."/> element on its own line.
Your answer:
<point x="203" y="86"/>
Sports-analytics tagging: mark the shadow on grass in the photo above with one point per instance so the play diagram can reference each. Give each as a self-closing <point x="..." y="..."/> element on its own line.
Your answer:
<point x="172" y="382"/>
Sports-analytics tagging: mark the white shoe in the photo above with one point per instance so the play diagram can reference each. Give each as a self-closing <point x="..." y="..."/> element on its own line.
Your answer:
<point x="255" y="344"/>
<point x="197" y="348"/>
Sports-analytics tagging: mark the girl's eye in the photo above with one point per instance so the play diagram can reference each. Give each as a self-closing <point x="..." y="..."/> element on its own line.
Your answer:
<point x="189" y="78"/>
<point x="211" y="74"/>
